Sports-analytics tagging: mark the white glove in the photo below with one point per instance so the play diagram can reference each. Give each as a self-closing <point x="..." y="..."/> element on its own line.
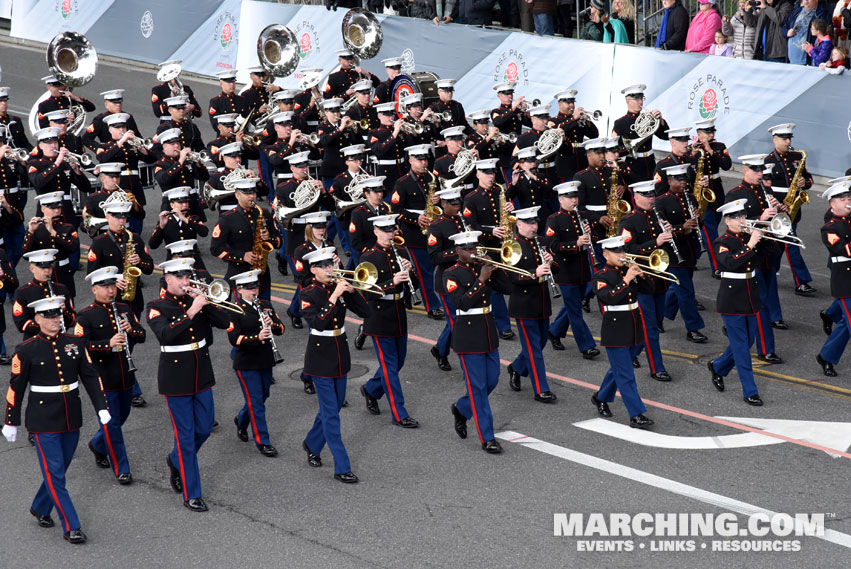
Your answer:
<point x="104" y="417"/>
<point x="10" y="432"/>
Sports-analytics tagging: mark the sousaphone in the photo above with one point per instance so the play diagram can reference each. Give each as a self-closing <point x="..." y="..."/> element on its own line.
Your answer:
<point x="277" y="50"/>
<point x="362" y="33"/>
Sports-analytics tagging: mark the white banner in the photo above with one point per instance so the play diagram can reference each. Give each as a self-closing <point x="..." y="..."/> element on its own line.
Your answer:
<point x="42" y="20"/>
<point x="214" y="45"/>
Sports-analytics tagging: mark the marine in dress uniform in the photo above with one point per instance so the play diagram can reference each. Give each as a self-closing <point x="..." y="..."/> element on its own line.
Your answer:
<point x="9" y="280"/>
<point x="570" y="244"/>
<point x="284" y="102"/>
<point x="190" y="134"/>
<point x="571" y="120"/>
<point x="109" y="173"/>
<point x="51" y="232"/>
<point x="346" y="202"/>
<point x="446" y="104"/>
<point x="11" y="216"/>
<point x="642" y="161"/>
<point x="414" y="119"/>
<point x="616" y="288"/>
<point x="340" y="82"/>
<point x="469" y="284"/>
<point x="717" y="158"/>
<point x="531" y="307"/>
<point x="41" y="265"/>
<point x="387" y="321"/>
<point x="386" y="145"/>
<point x="175" y="169"/>
<point x="288" y="141"/>
<point x="231" y="156"/>
<point x="409" y="201"/>
<point x="50" y="171"/>
<point x="98" y="131"/>
<point x="109" y="343"/>
<point x="324" y="304"/>
<point x="363" y="110"/>
<point x="383" y="94"/>
<point x="254" y="359"/>
<point x="173" y="88"/>
<point x="760" y="204"/>
<point x="178" y="224"/>
<point x="181" y="320"/>
<point x="334" y="134"/>
<point x="481" y="213"/>
<point x="13" y="124"/>
<point x="225" y="125"/>
<point x="785" y="162"/>
<point x="444" y="167"/>
<point x="361" y="235"/>
<point x="227" y="101"/>
<point x="529" y="185"/>
<point x="680" y="154"/>
<point x="54" y="409"/>
<point x="13" y="173"/>
<point x="485" y="139"/>
<point x="539" y="117"/>
<point x="738" y="301"/>
<point x="305" y="104"/>
<point x="257" y="96"/>
<point x="508" y="118"/>
<point x="61" y="98"/>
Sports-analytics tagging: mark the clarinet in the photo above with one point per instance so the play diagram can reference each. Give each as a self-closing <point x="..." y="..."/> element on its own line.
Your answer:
<point x="118" y="319"/>
<point x="62" y="320"/>
<point x="555" y="290"/>
<point x="672" y="241"/>
<point x="278" y="357"/>
<point x="693" y="215"/>
<point x="416" y="298"/>
<point x="586" y="230"/>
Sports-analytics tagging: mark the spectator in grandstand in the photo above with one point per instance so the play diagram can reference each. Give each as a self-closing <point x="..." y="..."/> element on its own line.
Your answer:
<point x="820" y="51"/>
<point x="742" y="33"/>
<point x="424" y="9"/>
<point x="674" y="27"/>
<point x="524" y="10"/>
<point x="838" y="61"/>
<point x="600" y="28"/>
<point x="543" y="16"/>
<point x="444" y="9"/>
<point x="721" y="47"/>
<point x="564" y="17"/>
<point x="767" y="18"/>
<point x="476" y="12"/>
<point x="797" y="28"/>
<point x="701" y="31"/>
<point x="624" y="10"/>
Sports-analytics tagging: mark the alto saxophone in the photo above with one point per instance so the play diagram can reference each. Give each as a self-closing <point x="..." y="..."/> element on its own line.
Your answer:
<point x="131" y="274"/>
<point x="432" y="212"/>
<point x="796" y="197"/>
<point x="616" y="208"/>
<point x="261" y="248"/>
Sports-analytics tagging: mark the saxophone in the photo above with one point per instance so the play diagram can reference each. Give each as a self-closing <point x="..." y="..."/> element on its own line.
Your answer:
<point x="616" y="208"/>
<point x="261" y="248"/>
<point x="432" y="211"/>
<point x="506" y="221"/>
<point x="131" y="274"/>
<point x="796" y="197"/>
<point x="703" y="196"/>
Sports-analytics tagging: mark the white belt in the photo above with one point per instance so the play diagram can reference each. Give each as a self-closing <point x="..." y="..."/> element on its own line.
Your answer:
<point x="334" y="332"/>
<point x="715" y="176"/>
<point x="12" y="190"/>
<point x="596" y="207"/>
<point x="313" y="123"/>
<point x="840" y="259"/>
<point x="67" y="196"/>
<point x="285" y="176"/>
<point x="387" y="162"/>
<point x="780" y="189"/>
<point x="482" y="310"/>
<point x="185" y="347"/>
<point x="416" y="211"/>
<point x="298" y="221"/>
<point x="740" y="276"/>
<point x="546" y="164"/>
<point x="622" y="307"/>
<point x="130" y="172"/>
<point x="54" y="388"/>
<point x="644" y="154"/>
<point x="227" y="207"/>
<point x="395" y="296"/>
<point x="63" y="262"/>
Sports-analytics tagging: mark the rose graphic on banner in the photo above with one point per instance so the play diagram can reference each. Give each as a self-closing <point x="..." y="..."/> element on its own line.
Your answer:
<point x="226" y="31"/>
<point x="304" y="46"/>
<point x="708" y="104"/>
<point x="66" y="8"/>
<point x="511" y="67"/>
<point x="227" y="36"/>
<point x="308" y="39"/>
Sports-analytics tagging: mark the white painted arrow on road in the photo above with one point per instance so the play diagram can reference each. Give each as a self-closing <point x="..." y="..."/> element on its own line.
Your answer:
<point x="823" y="433"/>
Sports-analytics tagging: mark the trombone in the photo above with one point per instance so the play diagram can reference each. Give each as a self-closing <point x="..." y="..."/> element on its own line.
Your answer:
<point x="216" y="292"/>
<point x="509" y="252"/>
<point x="778" y="228"/>
<point x="504" y="266"/>
<point x="363" y="277"/>
<point x="653" y="264"/>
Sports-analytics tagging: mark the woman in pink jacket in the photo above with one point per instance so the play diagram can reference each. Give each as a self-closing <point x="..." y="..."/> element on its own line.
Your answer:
<point x="701" y="32"/>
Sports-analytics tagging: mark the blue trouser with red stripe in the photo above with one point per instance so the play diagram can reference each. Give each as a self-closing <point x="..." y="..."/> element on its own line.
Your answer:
<point x="444" y="341"/>
<point x="680" y="297"/>
<point x="800" y="272"/>
<point x="621" y="377"/>
<point x="192" y="419"/>
<point x="481" y="372"/>
<point x="255" y="384"/>
<point x="530" y="360"/>
<point x="834" y="347"/>
<point x="425" y="276"/>
<point x="834" y="311"/>
<point x="109" y="439"/>
<point x="652" y="307"/>
<point x="765" y="337"/>
<point x="772" y="296"/>
<point x="741" y="332"/>
<point x="330" y="393"/>
<point x="500" y="312"/>
<point x="570" y="316"/>
<point x="391" y="352"/>
<point x="710" y="234"/>
<point x="295" y="305"/>
<point x="55" y="452"/>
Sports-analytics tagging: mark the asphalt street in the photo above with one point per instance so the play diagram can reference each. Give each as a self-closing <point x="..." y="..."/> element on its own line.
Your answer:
<point x="427" y="498"/>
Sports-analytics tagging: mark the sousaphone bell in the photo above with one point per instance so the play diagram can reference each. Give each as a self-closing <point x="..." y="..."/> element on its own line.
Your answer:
<point x="277" y="50"/>
<point x="362" y="33"/>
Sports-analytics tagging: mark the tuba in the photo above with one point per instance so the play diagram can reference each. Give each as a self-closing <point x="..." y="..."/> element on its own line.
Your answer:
<point x="362" y="33"/>
<point x="277" y="50"/>
<point x="131" y="273"/>
<point x="304" y="197"/>
<point x="796" y="197"/>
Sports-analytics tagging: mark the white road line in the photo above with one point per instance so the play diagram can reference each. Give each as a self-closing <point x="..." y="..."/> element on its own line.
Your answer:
<point x="648" y="479"/>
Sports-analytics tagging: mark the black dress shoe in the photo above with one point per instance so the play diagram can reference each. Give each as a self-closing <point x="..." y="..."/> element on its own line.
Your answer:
<point x="771" y="358"/>
<point x="196" y="504"/>
<point x="75" y="536"/>
<point x="546" y="397"/>
<point x="590" y="353"/>
<point x="5" y="359"/>
<point x="804" y="289"/>
<point x="492" y="447"/>
<point x="724" y="331"/>
<point x="43" y="521"/>
<point x="442" y="361"/>
<point x="779" y="325"/>
<point x="360" y="338"/>
<point x="174" y="476"/>
<point x="125" y="478"/>
<point x="696" y="337"/>
<point x="309" y="388"/>
<point x="408" y="423"/>
<point x="602" y="407"/>
<point x="513" y="378"/>
<point x="699" y="306"/>
<point x="31" y="439"/>
<point x="371" y="402"/>
<point x="347" y="478"/>
<point x="661" y="376"/>
<point x="586" y="305"/>
<point x="753" y="401"/>
<point x="215" y="424"/>
<point x="826" y="322"/>
<point x="640" y="422"/>
<point x="268" y="450"/>
<point x="635" y="363"/>
<point x="717" y="380"/>
<point x="506" y="334"/>
<point x="460" y="422"/>
<point x="138" y="401"/>
<point x="345" y="403"/>
<point x="295" y="320"/>
<point x="661" y="327"/>
<point x="312" y="459"/>
<point x="436" y="314"/>
<point x="556" y="342"/>
<point x="282" y="264"/>
<point x="241" y="434"/>
<point x="826" y="367"/>
<point x="100" y="459"/>
<point x="716" y="275"/>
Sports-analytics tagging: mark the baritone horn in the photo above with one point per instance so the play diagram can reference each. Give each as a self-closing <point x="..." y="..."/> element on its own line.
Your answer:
<point x="277" y="50"/>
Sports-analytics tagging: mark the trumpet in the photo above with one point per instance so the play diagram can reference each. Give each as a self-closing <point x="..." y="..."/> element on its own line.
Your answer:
<point x="145" y="143"/>
<point x="413" y="127"/>
<point x="502" y="138"/>
<point x="216" y="292"/>
<point x="363" y="278"/>
<point x="201" y="156"/>
<point x="362" y="124"/>
<point x="504" y="266"/>
<point x="584" y="118"/>
<point x="18" y="154"/>
<point x="312" y="139"/>
<point x="78" y="159"/>
<point x="438" y="118"/>
<point x="778" y="228"/>
<point x="525" y="105"/>
<point x="654" y="264"/>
